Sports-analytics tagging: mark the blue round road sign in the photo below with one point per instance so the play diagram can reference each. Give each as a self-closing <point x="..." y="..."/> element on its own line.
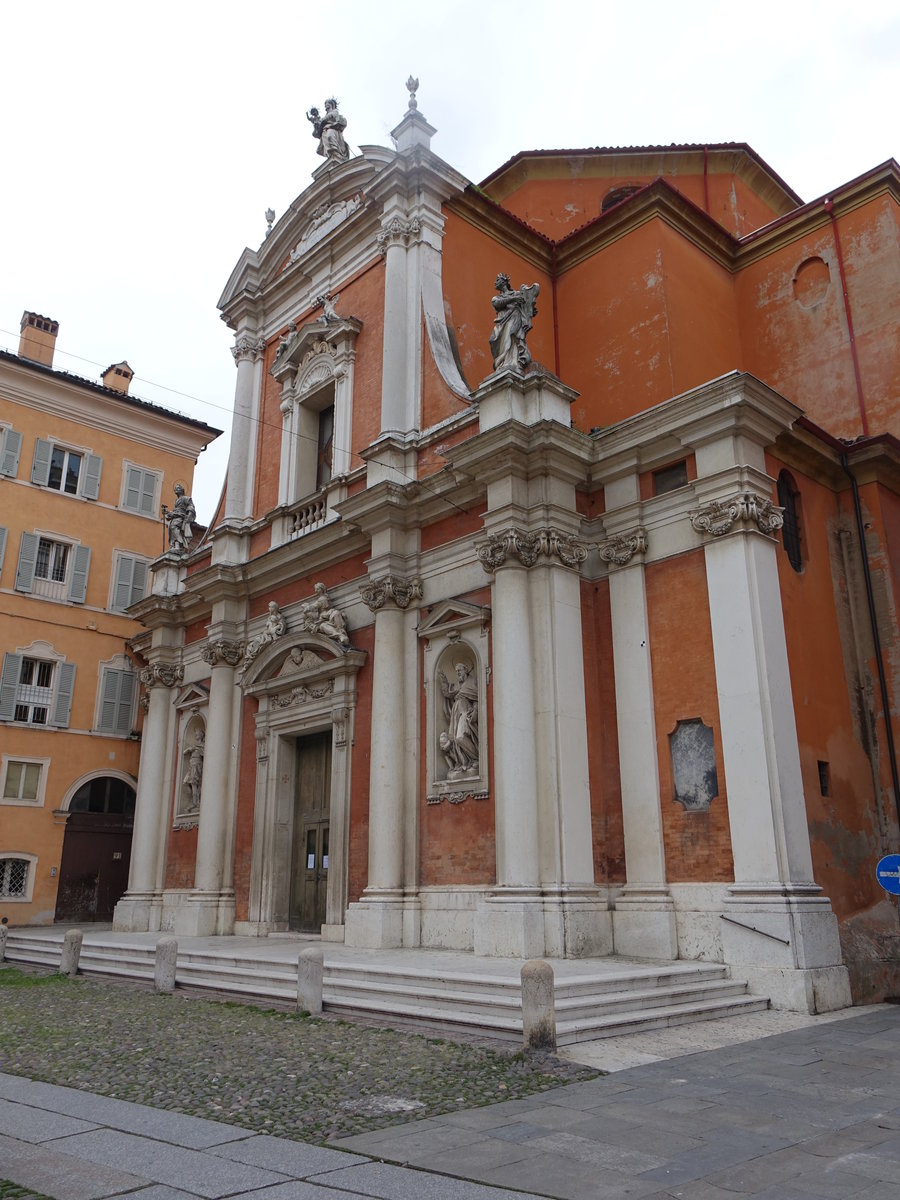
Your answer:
<point x="888" y="873"/>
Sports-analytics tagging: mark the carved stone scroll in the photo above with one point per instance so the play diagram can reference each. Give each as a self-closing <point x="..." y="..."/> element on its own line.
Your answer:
<point x="161" y="675"/>
<point x="622" y="548"/>
<point x="392" y="588"/>
<point x="222" y="653"/>
<point x="397" y="231"/>
<point x="527" y="546"/>
<point x="719" y="516"/>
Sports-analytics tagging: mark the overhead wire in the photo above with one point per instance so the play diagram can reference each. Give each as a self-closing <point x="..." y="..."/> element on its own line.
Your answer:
<point x="353" y="454"/>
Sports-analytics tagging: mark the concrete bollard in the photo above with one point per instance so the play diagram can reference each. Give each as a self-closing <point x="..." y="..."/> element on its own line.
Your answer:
<point x="310" y="971"/>
<point x="3" y="933"/>
<point x="164" y="967"/>
<point x="71" y="952"/>
<point x="538" y="1006"/>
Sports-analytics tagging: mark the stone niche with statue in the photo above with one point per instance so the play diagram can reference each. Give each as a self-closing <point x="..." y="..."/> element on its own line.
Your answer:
<point x="455" y="636"/>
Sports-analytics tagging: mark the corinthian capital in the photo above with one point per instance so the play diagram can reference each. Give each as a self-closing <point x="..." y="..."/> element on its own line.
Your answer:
<point x="747" y="508"/>
<point x="397" y="230"/>
<point x="220" y="652"/>
<point x="161" y="674"/>
<point x="622" y="548"/>
<point x="391" y="589"/>
<point x="528" y="545"/>
<point x="248" y="346"/>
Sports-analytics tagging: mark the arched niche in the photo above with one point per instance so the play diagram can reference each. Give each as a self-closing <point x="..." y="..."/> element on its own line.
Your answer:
<point x="192" y="706"/>
<point x="305" y="685"/>
<point x="456" y="675"/>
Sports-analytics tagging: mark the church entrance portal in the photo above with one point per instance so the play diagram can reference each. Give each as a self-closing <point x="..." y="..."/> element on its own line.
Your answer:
<point x="309" y="858"/>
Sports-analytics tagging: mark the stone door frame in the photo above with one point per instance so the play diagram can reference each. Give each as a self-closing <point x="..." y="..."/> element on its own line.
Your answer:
<point x="314" y="697"/>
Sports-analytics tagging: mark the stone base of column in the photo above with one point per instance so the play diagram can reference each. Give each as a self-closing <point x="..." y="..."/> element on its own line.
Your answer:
<point x="783" y="939"/>
<point x="577" y="922"/>
<point x="510" y="924"/>
<point x="333" y="933"/>
<point x="198" y="913"/>
<point x="375" y="922"/>
<point x="644" y="923"/>
<point x="412" y="920"/>
<point x="138" y="912"/>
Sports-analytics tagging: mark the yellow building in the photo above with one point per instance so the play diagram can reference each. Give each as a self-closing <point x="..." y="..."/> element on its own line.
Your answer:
<point x="84" y="469"/>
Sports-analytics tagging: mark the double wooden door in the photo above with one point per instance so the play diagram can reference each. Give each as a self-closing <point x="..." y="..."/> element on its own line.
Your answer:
<point x="309" y="858"/>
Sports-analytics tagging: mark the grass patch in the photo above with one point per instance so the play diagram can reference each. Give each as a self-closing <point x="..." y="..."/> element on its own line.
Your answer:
<point x="13" y="977"/>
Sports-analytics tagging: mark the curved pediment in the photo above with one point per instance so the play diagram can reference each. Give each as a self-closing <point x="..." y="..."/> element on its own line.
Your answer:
<point x="300" y="659"/>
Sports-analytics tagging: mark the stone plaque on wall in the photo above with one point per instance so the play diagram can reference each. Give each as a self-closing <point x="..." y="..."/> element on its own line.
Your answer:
<point x="694" y="765"/>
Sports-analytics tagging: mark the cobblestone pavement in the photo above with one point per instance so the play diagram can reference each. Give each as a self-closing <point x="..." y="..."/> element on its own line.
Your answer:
<point x="273" y="1072"/>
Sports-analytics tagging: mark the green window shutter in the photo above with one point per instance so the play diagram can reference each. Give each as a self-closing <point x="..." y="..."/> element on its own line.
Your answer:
<point x="28" y="549"/>
<point x="9" y="682"/>
<point x="133" y="480"/>
<point x="62" y="706"/>
<point x="40" y="468"/>
<point x="148" y="492"/>
<point x="2" y="546"/>
<point x="10" y="447"/>
<point x="124" y="576"/>
<point x="78" y="582"/>
<point x="90" y="486"/>
<point x="126" y="700"/>
<point x="138" y="581"/>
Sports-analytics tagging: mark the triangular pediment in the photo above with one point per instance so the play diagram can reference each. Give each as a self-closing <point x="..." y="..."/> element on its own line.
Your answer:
<point x="192" y="695"/>
<point x="453" y="614"/>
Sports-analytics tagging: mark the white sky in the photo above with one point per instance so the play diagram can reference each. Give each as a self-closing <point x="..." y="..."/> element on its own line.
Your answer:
<point x="144" y="142"/>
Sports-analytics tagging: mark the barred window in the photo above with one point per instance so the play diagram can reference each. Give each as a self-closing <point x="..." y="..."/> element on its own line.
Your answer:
<point x="35" y="691"/>
<point x="791" y="539"/>
<point x="13" y="877"/>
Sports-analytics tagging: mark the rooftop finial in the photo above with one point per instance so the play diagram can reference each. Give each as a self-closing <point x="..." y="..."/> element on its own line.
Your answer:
<point x="270" y="217"/>
<point x="412" y="86"/>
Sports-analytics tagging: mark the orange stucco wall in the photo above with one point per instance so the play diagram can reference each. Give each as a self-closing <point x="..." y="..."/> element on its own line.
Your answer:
<point x="697" y="844"/>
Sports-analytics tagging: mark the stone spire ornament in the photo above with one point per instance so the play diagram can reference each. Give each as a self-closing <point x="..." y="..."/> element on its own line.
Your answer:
<point x="412" y="86"/>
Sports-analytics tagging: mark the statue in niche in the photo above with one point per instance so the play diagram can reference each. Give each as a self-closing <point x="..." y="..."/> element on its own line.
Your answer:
<point x="274" y="628"/>
<point x="180" y="520"/>
<point x="193" y="776"/>
<point x="320" y="617"/>
<point x="329" y="129"/>
<point x="329" y="313"/>
<point x="515" y="312"/>
<point x="459" y="744"/>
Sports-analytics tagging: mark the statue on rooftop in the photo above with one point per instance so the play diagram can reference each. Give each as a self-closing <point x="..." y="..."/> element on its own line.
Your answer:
<point x="180" y="519"/>
<point x="515" y="311"/>
<point x="329" y="129"/>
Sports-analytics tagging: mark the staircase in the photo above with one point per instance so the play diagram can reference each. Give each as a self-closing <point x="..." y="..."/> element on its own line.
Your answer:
<point x="618" y="998"/>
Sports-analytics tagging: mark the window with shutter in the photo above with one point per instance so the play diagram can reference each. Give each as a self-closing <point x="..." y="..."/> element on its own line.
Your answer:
<point x="130" y="582"/>
<point x="10" y="448"/>
<point x="2" y="545"/>
<point x="116" y="702"/>
<point x="140" y="490"/>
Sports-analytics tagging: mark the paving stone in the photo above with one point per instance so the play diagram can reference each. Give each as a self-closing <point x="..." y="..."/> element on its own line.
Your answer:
<point x="159" y="1162"/>
<point x="399" y="1183"/>
<point x="36" y="1125"/>
<point x="757" y="1174"/>
<point x="289" y="1158"/>
<point x="177" y="1128"/>
<point x="873" y="1166"/>
<point x="60" y="1175"/>
<point x="564" y="1179"/>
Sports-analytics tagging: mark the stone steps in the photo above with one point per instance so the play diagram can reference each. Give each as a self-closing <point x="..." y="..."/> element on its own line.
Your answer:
<point x="626" y="998"/>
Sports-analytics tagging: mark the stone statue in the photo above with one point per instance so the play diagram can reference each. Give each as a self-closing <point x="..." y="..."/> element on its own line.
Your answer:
<point x="459" y="744"/>
<point x="515" y="311"/>
<point x="274" y="628"/>
<point x="329" y="314"/>
<point x="320" y="617"/>
<point x="194" y="775"/>
<point x="329" y="129"/>
<point x="180" y="519"/>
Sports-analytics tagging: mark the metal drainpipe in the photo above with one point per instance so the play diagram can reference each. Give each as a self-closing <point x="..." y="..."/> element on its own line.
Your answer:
<point x="879" y="661"/>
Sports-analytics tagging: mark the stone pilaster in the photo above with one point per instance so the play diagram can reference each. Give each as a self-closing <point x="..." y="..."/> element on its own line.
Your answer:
<point x="377" y="920"/>
<point x="779" y="931"/>
<point x="248" y="352"/>
<point x="139" y="908"/>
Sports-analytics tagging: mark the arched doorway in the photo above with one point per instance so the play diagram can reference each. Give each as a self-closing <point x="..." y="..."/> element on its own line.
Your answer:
<point x="93" y="873"/>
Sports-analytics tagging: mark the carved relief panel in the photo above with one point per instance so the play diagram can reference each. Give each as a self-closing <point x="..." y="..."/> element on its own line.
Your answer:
<point x="456" y="679"/>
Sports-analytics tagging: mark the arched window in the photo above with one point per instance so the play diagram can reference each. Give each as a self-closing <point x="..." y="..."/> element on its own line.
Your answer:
<point x="789" y="500"/>
<point x="104" y="794"/>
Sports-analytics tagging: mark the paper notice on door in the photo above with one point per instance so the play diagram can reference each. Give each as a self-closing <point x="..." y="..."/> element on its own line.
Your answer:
<point x="310" y="862"/>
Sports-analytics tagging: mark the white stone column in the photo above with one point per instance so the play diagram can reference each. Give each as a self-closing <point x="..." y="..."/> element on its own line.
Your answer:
<point x="377" y="919"/>
<point x="779" y="930"/>
<point x="248" y="351"/>
<point x="510" y="921"/>
<point x="135" y="911"/>
<point x="577" y="922"/>
<point x="395" y="401"/>
<point x="644" y="920"/>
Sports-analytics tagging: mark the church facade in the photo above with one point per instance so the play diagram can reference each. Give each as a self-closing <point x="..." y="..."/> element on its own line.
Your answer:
<point x="550" y="609"/>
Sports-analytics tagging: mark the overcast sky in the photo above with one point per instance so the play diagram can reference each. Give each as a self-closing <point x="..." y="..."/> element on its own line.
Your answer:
<point x="145" y="142"/>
